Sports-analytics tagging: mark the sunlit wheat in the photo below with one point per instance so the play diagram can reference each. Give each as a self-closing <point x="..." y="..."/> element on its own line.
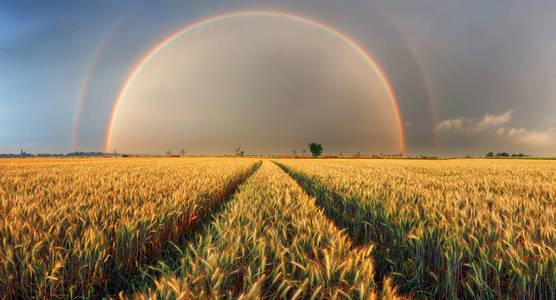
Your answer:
<point x="455" y="228"/>
<point x="79" y="227"/>
<point x="271" y="241"/>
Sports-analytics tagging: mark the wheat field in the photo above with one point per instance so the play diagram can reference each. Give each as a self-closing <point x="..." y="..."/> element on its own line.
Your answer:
<point x="183" y="228"/>
<point x="271" y="242"/>
<point x="448" y="229"/>
<point x="78" y="227"/>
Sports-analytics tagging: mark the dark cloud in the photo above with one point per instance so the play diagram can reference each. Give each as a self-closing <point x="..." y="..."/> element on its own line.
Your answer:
<point x="481" y="56"/>
<point x="477" y="57"/>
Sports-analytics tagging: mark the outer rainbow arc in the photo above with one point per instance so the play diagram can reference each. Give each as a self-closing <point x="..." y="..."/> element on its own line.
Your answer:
<point x="419" y="65"/>
<point x="305" y="20"/>
<point x="87" y="79"/>
<point x="85" y="87"/>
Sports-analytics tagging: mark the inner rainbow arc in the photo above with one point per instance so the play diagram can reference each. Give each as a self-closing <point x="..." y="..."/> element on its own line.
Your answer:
<point x="301" y="19"/>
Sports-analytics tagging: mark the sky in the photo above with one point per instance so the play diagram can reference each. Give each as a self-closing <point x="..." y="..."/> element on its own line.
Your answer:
<point x="445" y="78"/>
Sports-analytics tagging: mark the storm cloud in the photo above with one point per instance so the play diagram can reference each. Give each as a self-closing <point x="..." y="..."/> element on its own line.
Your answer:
<point x="486" y="67"/>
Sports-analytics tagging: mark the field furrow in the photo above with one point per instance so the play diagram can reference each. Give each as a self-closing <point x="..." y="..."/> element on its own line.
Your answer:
<point x="83" y="228"/>
<point x="270" y="241"/>
<point x="445" y="229"/>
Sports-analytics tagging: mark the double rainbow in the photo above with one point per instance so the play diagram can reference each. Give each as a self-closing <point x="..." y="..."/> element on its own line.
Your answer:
<point x="300" y="19"/>
<point x="87" y="79"/>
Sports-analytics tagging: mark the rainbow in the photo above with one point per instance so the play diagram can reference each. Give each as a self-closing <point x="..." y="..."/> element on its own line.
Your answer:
<point x="301" y="19"/>
<point x="87" y="79"/>
<point x="420" y="69"/>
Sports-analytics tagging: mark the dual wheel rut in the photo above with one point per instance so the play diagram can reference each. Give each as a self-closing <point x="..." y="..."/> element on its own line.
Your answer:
<point x="270" y="240"/>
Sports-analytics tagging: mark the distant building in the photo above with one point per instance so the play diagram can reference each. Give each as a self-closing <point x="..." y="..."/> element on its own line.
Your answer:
<point x="24" y="154"/>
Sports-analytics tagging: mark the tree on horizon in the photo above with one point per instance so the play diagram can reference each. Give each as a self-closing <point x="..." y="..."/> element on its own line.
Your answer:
<point x="316" y="149"/>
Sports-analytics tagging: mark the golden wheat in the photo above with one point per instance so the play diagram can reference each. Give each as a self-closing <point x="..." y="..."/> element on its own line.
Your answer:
<point x="433" y="229"/>
<point x="271" y="242"/>
<point x="80" y="227"/>
<point x="453" y="228"/>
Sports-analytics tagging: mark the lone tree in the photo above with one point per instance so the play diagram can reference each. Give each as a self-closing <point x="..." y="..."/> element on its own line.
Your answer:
<point x="490" y="154"/>
<point x="316" y="149"/>
<point x="182" y="151"/>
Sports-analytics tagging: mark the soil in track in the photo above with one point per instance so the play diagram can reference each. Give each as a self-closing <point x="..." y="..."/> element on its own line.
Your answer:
<point x="270" y="241"/>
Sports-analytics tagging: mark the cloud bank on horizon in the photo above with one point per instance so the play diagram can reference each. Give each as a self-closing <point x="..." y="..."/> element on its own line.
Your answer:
<point x="469" y="77"/>
<point x="495" y="132"/>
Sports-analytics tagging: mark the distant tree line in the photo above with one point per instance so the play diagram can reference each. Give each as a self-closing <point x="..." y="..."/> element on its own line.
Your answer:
<point x="505" y="154"/>
<point x="71" y="154"/>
